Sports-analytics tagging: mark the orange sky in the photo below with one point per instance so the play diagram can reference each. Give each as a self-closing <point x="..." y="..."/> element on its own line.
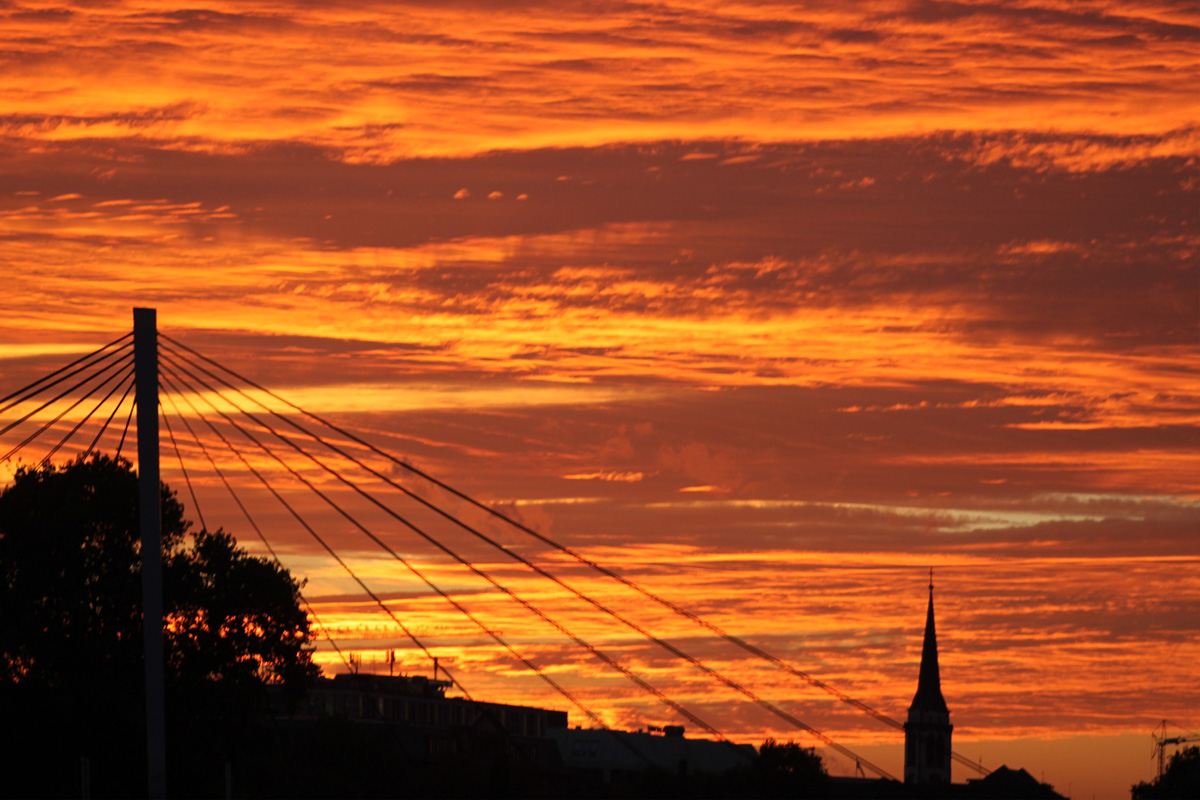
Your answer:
<point x="768" y="306"/>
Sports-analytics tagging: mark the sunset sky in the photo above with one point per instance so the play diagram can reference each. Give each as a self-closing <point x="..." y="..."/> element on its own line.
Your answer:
<point x="767" y="306"/>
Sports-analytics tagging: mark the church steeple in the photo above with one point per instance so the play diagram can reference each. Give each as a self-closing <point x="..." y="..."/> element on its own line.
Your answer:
<point x="927" y="731"/>
<point x="929" y="682"/>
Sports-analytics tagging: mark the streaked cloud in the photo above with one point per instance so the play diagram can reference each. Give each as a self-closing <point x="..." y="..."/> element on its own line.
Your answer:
<point x="379" y="82"/>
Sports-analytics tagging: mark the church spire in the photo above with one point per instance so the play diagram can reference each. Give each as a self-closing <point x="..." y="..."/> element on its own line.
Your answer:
<point x="929" y="681"/>
<point x="927" y="732"/>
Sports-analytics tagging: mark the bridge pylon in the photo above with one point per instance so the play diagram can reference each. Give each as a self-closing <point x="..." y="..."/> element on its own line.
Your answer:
<point x="145" y="365"/>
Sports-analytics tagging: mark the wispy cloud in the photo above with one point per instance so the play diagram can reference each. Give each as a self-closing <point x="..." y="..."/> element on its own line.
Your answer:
<point x="427" y="78"/>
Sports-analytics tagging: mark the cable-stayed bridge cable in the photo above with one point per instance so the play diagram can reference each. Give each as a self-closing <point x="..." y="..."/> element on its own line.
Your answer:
<point x="608" y="660"/>
<point x="30" y="387"/>
<point x="611" y="662"/>
<point x="77" y="385"/>
<point x="754" y="650"/>
<point x="128" y="419"/>
<point x="95" y="358"/>
<point x="178" y="455"/>
<point x="312" y="531"/>
<point x="527" y="530"/>
<point x="107" y="422"/>
<point x="127" y="380"/>
<point x="118" y="364"/>
<point x="491" y="633"/>
<point x="673" y="649"/>
<point x="487" y="711"/>
<point x="254" y="525"/>
<point x="733" y="639"/>
<point x="484" y="709"/>
<point x="458" y="606"/>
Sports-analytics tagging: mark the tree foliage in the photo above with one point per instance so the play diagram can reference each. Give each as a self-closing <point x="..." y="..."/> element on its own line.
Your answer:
<point x="1179" y="781"/>
<point x="71" y="628"/>
<point x="788" y="769"/>
<point x="789" y="758"/>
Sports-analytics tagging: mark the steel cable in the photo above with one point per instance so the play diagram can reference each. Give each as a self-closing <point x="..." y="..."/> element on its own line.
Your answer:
<point x="88" y="416"/>
<point x="30" y="387"/>
<point x="312" y="532"/>
<point x="128" y="419"/>
<point x="179" y="456"/>
<point x="254" y="525"/>
<point x="66" y="392"/>
<point x="29" y="439"/>
<point x="731" y="638"/>
<point x="671" y="648"/>
<point x="416" y="572"/>
<point x="640" y="682"/>
<point x="107" y="422"/>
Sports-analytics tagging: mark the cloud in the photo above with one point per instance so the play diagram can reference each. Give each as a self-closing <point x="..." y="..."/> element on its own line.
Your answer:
<point x="623" y="477"/>
<point x="1054" y="15"/>
<point x="856" y="36"/>
<point x="696" y="462"/>
<point x="141" y="120"/>
<point x="541" y="74"/>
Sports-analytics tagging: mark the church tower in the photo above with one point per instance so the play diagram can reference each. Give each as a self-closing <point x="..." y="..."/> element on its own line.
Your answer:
<point x="927" y="731"/>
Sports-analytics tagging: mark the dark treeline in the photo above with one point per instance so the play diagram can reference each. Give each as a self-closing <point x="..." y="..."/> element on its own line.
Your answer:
<point x="71" y="666"/>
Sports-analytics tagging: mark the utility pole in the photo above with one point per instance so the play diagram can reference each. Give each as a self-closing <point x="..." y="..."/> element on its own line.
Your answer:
<point x="145" y="365"/>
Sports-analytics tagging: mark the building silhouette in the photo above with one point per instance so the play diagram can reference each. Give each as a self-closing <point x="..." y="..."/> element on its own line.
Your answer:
<point x="927" y="730"/>
<point x="602" y="757"/>
<point x="417" y="702"/>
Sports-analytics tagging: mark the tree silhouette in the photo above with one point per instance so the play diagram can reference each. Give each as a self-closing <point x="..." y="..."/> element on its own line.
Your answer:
<point x="71" y="631"/>
<point x="1181" y="778"/>
<point x="789" y="770"/>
